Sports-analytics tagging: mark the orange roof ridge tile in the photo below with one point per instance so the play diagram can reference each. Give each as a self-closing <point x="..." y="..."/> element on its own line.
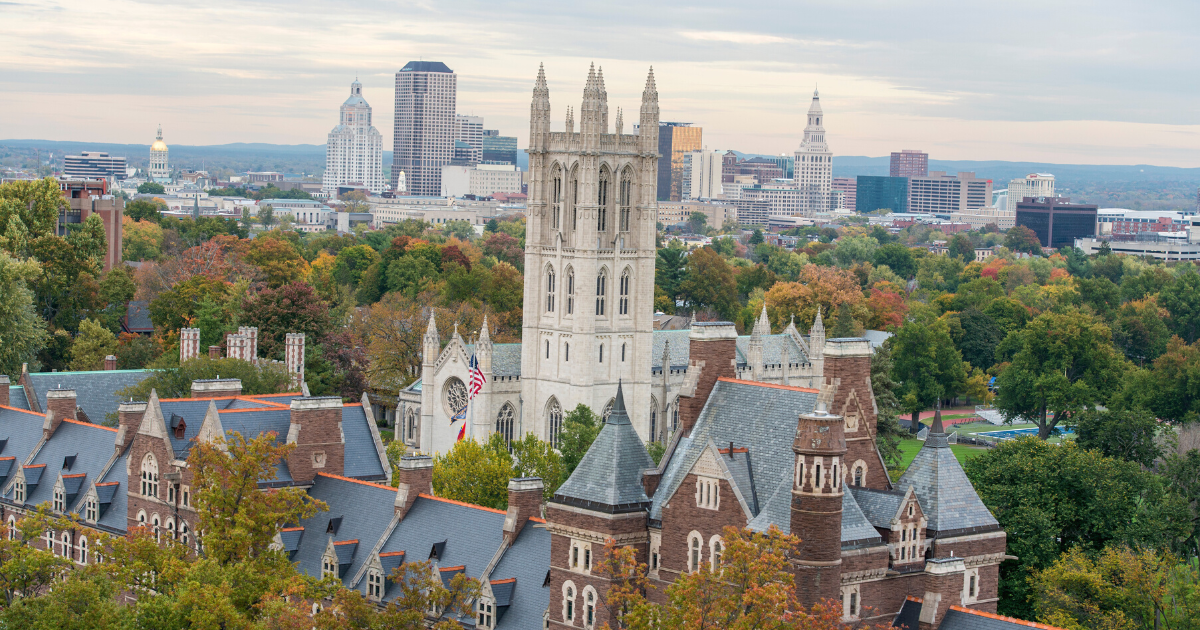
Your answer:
<point x="461" y="567"/>
<point x="915" y="599"/>
<point x="9" y="457"/>
<point x="89" y="424"/>
<point x="189" y="398"/>
<point x="359" y="481"/>
<point x="292" y="529"/>
<point x="388" y="554"/>
<point x="504" y="581"/>
<point x="535" y="519"/>
<point x="22" y="410"/>
<point x="35" y="466"/>
<point x="108" y="483"/>
<point x="75" y="475"/>
<point x="1022" y="622"/>
<point x="770" y="385"/>
<point x="345" y="542"/>
<point x="273" y="395"/>
<point x="464" y="504"/>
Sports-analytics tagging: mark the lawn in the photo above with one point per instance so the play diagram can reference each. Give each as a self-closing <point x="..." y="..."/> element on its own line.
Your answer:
<point x="909" y="448"/>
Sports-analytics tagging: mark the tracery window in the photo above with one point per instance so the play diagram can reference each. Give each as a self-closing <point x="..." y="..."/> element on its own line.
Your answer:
<point x="601" y="291"/>
<point x="623" y="304"/>
<point x="550" y="290"/>
<point x="570" y="291"/>
<point x="504" y="422"/>
<point x="456" y="398"/>
<point x="149" y="476"/>
<point x="602" y="203"/>
<point x="554" y="417"/>
<point x="626" y="198"/>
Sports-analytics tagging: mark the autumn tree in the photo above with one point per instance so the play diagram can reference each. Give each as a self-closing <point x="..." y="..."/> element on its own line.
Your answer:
<point x="292" y="308"/>
<point x="826" y="288"/>
<point x="504" y="247"/>
<point x="140" y="240"/>
<point x="393" y="329"/>
<point x="419" y="591"/>
<point x="24" y="332"/>
<point x="278" y="259"/>
<point x="708" y="283"/>
<point x="925" y="363"/>
<point x="176" y="382"/>
<point x="92" y="343"/>
<point x="1023" y="239"/>
<point x="26" y="570"/>
<point x="31" y="207"/>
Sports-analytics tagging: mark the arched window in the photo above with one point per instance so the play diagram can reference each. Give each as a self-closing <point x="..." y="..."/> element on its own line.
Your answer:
<point x="602" y="353"/>
<point x="554" y="417"/>
<point x="59" y="500"/>
<point x="675" y="415"/>
<point x="547" y="348"/>
<point x="66" y="544"/>
<point x="574" y="204"/>
<point x="149" y="476"/>
<point x="626" y="200"/>
<point x="568" y="611"/>
<point x="589" y="616"/>
<point x="556" y="195"/>
<point x="602" y="202"/>
<point x="156" y="525"/>
<point x="12" y="528"/>
<point x="141" y="518"/>
<point x="608" y="407"/>
<point x="412" y="424"/>
<point x="504" y="422"/>
<point x="83" y="550"/>
<point x="570" y="290"/>
<point x="171" y="528"/>
<point x="694" y="552"/>
<point x="714" y="553"/>
<point x="550" y="290"/>
<point x="567" y="352"/>
<point x="184" y="534"/>
<point x="50" y="541"/>
<point x="601" y="291"/>
<point x="623" y="304"/>
<point x="858" y="476"/>
<point x="653" y="416"/>
<point x="622" y="353"/>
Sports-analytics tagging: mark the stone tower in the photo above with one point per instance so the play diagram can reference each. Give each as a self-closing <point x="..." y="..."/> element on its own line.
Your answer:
<point x="814" y="163"/>
<point x="589" y="260"/>
<point x="817" y="495"/>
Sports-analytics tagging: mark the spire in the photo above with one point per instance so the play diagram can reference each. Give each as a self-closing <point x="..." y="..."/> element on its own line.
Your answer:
<point x="618" y="414"/>
<point x="570" y="124"/>
<point x="762" y="327"/>
<point x="620" y="128"/>
<point x="431" y="332"/>
<point x="937" y="421"/>
<point x="539" y="111"/>
<point x="159" y="136"/>
<point x="483" y="331"/>
<point x="609" y="477"/>
<point x="648" y="119"/>
<point x="818" y="325"/>
<point x="539" y="86"/>
<point x="603" y="96"/>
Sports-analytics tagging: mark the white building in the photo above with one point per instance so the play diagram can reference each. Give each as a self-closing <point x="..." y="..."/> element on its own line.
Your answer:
<point x="306" y="214"/>
<point x="1033" y="185"/>
<point x="704" y="175"/>
<point x="470" y="131"/>
<point x="979" y="218"/>
<point x="354" y="150"/>
<point x="481" y="180"/>
<point x="160" y="168"/>
<point x="814" y="163"/>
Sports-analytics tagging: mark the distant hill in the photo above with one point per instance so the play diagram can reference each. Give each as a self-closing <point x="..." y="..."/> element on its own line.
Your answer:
<point x="1001" y="172"/>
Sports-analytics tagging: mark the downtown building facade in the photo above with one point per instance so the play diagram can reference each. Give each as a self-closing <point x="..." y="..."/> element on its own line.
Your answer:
<point x="94" y="165"/>
<point x="813" y="170"/>
<point x="675" y="140"/>
<point x="425" y="126"/>
<point x="1033" y="185"/>
<point x="1056" y="221"/>
<point x="160" y="164"/>
<point x="942" y="193"/>
<point x="354" y="148"/>
<point x="908" y="163"/>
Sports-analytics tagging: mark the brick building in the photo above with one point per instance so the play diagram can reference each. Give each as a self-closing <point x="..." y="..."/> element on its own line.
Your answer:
<point x="86" y="197"/>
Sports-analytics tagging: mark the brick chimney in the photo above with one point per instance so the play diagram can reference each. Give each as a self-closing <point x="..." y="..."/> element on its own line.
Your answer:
<point x="524" y="502"/>
<point x="129" y="418"/>
<point x="943" y="589"/>
<point x="713" y="354"/>
<point x="316" y="430"/>
<point x="110" y="362"/>
<point x="293" y="358"/>
<point x="62" y="403"/>
<point x="415" y="476"/>
<point x="4" y="385"/>
<point x="217" y="388"/>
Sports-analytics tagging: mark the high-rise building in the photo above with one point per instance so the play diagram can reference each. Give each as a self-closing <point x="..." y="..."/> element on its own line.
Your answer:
<point x="814" y="163"/>
<point x="425" y="126"/>
<point x="944" y="193"/>
<point x="498" y="149"/>
<point x="354" y="148"/>
<point x="675" y="140"/>
<point x="470" y="131"/>
<point x="879" y="193"/>
<point x="160" y="169"/>
<point x="909" y="163"/>
<point x="86" y="197"/>
<point x="94" y="165"/>
<point x="1056" y="221"/>
<point x="1032" y="185"/>
<point x="704" y="175"/>
<point x="848" y="187"/>
<point x="762" y="169"/>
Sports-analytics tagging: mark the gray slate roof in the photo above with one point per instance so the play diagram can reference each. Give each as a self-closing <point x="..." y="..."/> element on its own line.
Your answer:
<point x="946" y="495"/>
<point x="362" y="460"/>
<point x="115" y="517"/>
<point x="506" y="358"/>
<point x="365" y="511"/>
<point x="93" y="445"/>
<point x="856" y="529"/>
<point x="879" y="506"/>
<point x="528" y="560"/>
<point x="610" y="475"/>
<point x="680" y="348"/>
<point x="95" y="392"/>
<point x="962" y="620"/>
<point x="16" y="397"/>
<point x="773" y="346"/>
<point x="137" y="318"/>
<point x="22" y="430"/>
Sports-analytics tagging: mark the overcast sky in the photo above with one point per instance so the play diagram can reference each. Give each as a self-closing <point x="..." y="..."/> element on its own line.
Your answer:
<point x="1096" y="81"/>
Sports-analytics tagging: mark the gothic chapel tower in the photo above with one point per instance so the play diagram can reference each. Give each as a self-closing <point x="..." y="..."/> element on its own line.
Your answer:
<point x="589" y="260"/>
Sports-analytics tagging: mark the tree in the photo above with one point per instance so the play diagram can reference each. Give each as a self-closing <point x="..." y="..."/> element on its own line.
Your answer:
<point x="1050" y="498"/>
<point x="24" y="333"/>
<point x="926" y="364"/>
<point x="355" y="201"/>
<point x="580" y="428"/>
<point x="266" y="215"/>
<point x="475" y="473"/>
<point x="1023" y="239"/>
<point x="151" y="188"/>
<point x="826" y="288"/>
<point x="33" y="205"/>
<point x="393" y="329"/>
<point x="669" y="269"/>
<point x="844" y="324"/>
<point x="264" y="378"/>
<point x="176" y="308"/>
<point x="1181" y="298"/>
<point x="411" y="274"/>
<point x="535" y="458"/>
<point x="708" y="283"/>
<point x="140" y="240"/>
<point x="962" y="248"/>
<point x="91" y="345"/>
<point x="292" y="308"/>
<point x="1120" y="434"/>
<point x="505" y="247"/>
<point x="279" y="260"/>
<point x="888" y="431"/>
<point x="852" y="250"/>
<point x="980" y="335"/>
<point x="756" y="237"/>
<point x="1139" y="330"/>
<point x="898" y="258"/>
<point x="142" y="210"/>
<point x="698" y="223"/>
<point x="419" y="591"/>
<point x="26" y="571"/>
<point x="1061" y="363"/>
<point x="460" y="229"/>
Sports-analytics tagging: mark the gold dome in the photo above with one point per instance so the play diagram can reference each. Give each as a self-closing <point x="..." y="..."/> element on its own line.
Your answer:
<point x="158" y="145"/>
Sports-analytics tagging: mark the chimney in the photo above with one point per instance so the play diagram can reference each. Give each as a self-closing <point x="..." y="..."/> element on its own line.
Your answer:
<point x="524" y="502"/>
<point x="110" y="363"/>
<point x="129" y="418"/>
<point x="189" y="344"/>
<point x="293" y="357"/>
<point x="214" y="352"/>
<point x="251" y="334"/>
<point x="847" y="372"/>
<point x="217" y="388"/>
<point x="62" y="403"/>
<point x="713" y="355"/>
<point x="316" y="430"/>
<point x="414" y="476"/>
<point x="4" y="386"/>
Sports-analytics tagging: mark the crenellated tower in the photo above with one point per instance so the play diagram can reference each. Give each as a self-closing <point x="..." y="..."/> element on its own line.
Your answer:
<point x="589" y="260"/>
<point x="817" y="495"/>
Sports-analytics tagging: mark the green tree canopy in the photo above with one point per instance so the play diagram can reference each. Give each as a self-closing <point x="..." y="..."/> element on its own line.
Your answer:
<point x="708" y="283"/>
<point x="579" y="429"/>
<point x="926" y="363"/>
<point x="151" y="188"/>
<point x="91" y="345"/>
<point x="176" y="382"/>
<point x="1023" y="239"/>
<point x="24" y="332"/>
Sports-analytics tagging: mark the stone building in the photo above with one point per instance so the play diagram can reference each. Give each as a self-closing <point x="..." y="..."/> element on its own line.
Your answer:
<point x="354" y="148"/>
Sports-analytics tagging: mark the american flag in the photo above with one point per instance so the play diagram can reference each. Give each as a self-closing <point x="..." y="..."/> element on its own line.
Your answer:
<point x="477" y="378"/>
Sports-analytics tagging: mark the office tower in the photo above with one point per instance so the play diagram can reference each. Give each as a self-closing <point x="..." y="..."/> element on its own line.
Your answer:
<point x="94" y="165"/>
<point x="354" y="149"/>
<point x="729" y="168"/>
<point x="675" y="140"/>
<point x="786" y="164"/>
<point x="1056" y="221"/>
<point x="498" y="149"/>
<point x="86" y="197"/>
<point x="704" y="175"/>
<point x="425" y="127"/>
<point x="909" y="163"/>
<point x="470" y="131"/>
<point x="878" y="193"/>
<point x="160" y="169"/>
<point x="814" y="163"/>
<point x="848" y="187"/>
<point x="762" y="169"/>
<point x="942" y="193"/>
<point x="1033" y="185"/>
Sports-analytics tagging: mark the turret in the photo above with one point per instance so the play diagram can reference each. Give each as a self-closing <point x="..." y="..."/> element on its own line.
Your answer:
<point x="603" y="100"/>
<point x="483" y="349"/>
<point x="539" y="112"/>
<point x="817" y="489"/>
<point x="762" y="328"/>
<point x="430" y="344"/>
<point x="816" y="337"/>
<point x="648" y="121"/>
<point x="589" y="112"/>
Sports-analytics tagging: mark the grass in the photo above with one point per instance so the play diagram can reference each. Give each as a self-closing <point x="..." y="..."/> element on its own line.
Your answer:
<point x="909" y="448"/>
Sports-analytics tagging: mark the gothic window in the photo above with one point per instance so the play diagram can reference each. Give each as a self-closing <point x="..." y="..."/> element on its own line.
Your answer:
<point x="653" y="415"/>
<point x="374" y="585"/>
<point x="455" y="398"/>
<point x="485" y="613"/>
<point x="626" y="198"/>
<point x="622" y="353"/>
<point x="858" y="476"/>
<point x="412" y="424"/>
<point x="171" y="528"/>
<point x="570" y="290"/>
<point x="589" y="617"/>
<point x="554" y="417"/>
<point x="601" y="290"/>
<point x="59" y="500"/>
<point x="550" y="290"/>
<point x="184" y="533"/>
<point x="623" y="305"/>
<point x="12" y="528"/>
<point x="575" y="204"/>
<point x="675" y="415"/>
<point x="714" y="553"/>
<point x="83" y="550"/>
<point x="602" y="353"/>
<point x="156" y="525"/>
<point x="607" y="410"/>
<point x="708" y="493"/>
<point x="556" y="196"/>
<point x="602" y="203"/>
<point x="66" y="545"/>
<point x="149" y="476"/>
<point x="568" y="612"/>
<point x="694" y="552"/>
<point x="504" y="422"/>
<point x="547" y="349"/>
<point x="567" y="352"/>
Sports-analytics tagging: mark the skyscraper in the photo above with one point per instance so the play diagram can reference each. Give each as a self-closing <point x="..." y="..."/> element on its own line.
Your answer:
<point x="160" y="169"/>
<point x="425" y="127"/>
<point x="675" y="140"/>
<point x="93" y="165"/>
<point x="909" y="163"/>
<point x="470" y="131"/>
<point x="498" y="149"/>
<point x="814" y="163"/>
<point x="1032" y="185"/>
<point x="354" y="149"/>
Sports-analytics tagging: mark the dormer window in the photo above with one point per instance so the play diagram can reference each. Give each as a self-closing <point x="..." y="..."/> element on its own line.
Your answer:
<point x="60" y="500"/>
<point x="329" y="567"/>
<point x="485" y="617"/>
<point x="375" y="585"/>
<point x="19" y="491"/>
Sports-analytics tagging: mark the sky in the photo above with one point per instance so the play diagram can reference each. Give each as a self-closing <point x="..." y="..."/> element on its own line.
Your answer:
<point x="1066" y="81"/>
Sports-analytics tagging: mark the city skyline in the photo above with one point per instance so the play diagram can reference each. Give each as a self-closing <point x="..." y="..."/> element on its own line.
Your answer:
<point x="1064" y="88"/>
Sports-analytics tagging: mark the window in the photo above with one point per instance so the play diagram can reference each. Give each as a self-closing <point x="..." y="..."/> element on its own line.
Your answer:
<point x="485" y="613"/>
<point x="818" y="481"/>
<point x="556" y="196"/>
<point x="554" y="418"/>
<point x="837" y="480"/>
<point x="171" y="493"/>
<point x="590" y="611"/>
<point x="675" y="416"/>
<point x="708" y="493"/>
<point x="91" y="510"/>
<point x="187" y="497"/>
<point x="602" y="203"/>
<point x="626" y="197"/>
<point x="858" y="477"/>
<point x="141" y="518"/>
<point x="623" y="303"/>
<point x="50" y="541"/>
<point x="374" y="585"/>
<point x="149" y="476"/>
<point x="622" y="353"/>
<point x="59" y="500"/>
<point x="653" y="415"/>
<point x="602" y="353"/>
<point x="156" y="525"/>
<point x="600" y="292"/>
<point x="567" y="355"/>
<point x="12" y="528"/>
<point x="547" y="349"/>
<point x="694" y="552"/>
<point x="328" y="567"/>
<point x="66" y="544"/>
<point x="587" y="558"/>
<point x="568" y="612"/>
<point x="570" y="291"/>
<point x="184" y="537"/>
<point x="83" y="550"/>
<point x="19" y="491"/>
<point x="714" y="553"/>
<point x="575" y="205"/>
<point x="171" y="528"/>
<point x="550" y="291"/>
<point x="504" y="422"/>
<point x="574" y="556"/>
<point x="910" y="509"/>
<point x="971" y="587"/>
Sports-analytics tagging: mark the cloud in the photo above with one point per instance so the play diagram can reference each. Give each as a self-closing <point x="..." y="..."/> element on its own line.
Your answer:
<point x="736" y="38"/>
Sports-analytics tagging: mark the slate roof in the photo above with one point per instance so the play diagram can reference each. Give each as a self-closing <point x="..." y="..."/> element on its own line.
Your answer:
<point x="947" y="497"/>
<point x="16" y="397"/>
<point x="116" y="516"/>
<point x="137" y="318"/>
<point x="95" y="392"/>
<point x="610" y="474"/>
<point x="960" y="618"/>
<point x="365" y="510"/>
<point x="527" y="560"/>
<point x="21" y="430"/>
<point x="506" y="359"/>
<point x="93" y="445"/>
<point x="856" y="529"/>
<point x="879" y="506"/>
<point x="773" y="346"/>
<point x="680" y="348"/>
<point x="361" y="459"/>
